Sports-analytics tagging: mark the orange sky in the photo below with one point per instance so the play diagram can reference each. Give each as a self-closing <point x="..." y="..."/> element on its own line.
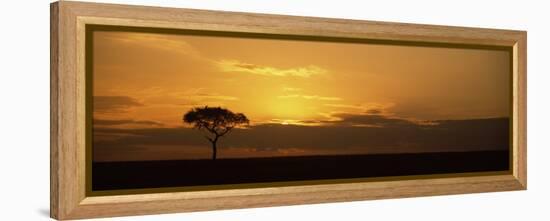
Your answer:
<point x="148" y="81"/>
<point x="291" y="81"/>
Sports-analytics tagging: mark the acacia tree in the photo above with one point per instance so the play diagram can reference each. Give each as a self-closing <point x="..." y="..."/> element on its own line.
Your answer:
<point x="216" y="121"/>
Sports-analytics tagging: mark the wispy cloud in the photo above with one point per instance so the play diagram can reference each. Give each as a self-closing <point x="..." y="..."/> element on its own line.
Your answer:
<point x="366" y="108"/>
<point x="104" y="122"/>
<point x="114" y="104"/>
<point x="309" y="97"/>
<point x="238" y="66"/>
<point x="369" y="120"/>
<point x="215" y="97"/>
<point x="155" y="41"/>
<point x="293" y="122"/>
<point x="292" y="89"/>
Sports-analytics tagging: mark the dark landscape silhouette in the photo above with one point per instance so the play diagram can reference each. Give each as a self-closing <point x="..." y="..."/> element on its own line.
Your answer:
<point x="186" y="173"/>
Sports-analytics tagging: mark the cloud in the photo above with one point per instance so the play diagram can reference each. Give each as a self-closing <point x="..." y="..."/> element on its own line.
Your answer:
<point x="156" y="41"/>
<point x="371" y="118"/>
<point x="238" y="66"/>
<point x="203" y="96"/>
<point x="309" y="97"/>
<point x="370" y="108"/>
<point x="114" y="104"/>
<point x="104" y="122"/>
<point x="197" y="95"/>
<point x="374" y="111"/>
<point x="294" y="122"/>
<point x="401" y="137"/>
<point x="368" y="118"/>
<point x="346" y="106"/>
<point x="291" y="89"/>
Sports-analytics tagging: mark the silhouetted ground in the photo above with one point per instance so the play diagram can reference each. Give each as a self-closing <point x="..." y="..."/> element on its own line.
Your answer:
<point x="178" y="173"/>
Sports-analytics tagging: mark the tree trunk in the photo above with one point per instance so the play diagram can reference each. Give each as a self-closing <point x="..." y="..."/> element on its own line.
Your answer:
<point x="214" y="149"/>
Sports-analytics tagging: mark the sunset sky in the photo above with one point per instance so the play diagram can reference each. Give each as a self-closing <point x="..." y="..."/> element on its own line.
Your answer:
<point x="143" y="83"/>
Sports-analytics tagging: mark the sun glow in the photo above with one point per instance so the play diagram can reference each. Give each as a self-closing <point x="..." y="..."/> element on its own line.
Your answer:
<point x="293" y="122"/>
<point x="290" y="109"/>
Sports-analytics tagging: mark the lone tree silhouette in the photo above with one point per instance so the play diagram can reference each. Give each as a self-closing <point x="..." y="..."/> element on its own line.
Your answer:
<point x="215" y="120"/>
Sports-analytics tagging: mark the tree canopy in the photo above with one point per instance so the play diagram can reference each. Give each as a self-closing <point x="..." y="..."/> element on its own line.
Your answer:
<point x="215" y="120"/>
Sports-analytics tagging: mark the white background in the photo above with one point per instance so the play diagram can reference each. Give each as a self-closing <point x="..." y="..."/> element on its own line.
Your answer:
<point x="24" y="109"/>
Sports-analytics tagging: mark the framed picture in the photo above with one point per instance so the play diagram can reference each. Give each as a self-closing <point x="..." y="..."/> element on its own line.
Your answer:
<point x="160" y="110"/>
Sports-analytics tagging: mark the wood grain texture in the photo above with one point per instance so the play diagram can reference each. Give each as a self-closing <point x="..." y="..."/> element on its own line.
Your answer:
<point x="54" y="97"/>
<point x="521" y="99"/>
<point x="68" y="88"/>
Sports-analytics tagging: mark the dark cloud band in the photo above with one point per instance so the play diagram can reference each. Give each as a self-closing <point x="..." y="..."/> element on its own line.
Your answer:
<point x="401" y="136"/>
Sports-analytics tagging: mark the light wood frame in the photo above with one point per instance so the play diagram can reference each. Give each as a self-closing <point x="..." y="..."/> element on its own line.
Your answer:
<point x="68" y="88"/>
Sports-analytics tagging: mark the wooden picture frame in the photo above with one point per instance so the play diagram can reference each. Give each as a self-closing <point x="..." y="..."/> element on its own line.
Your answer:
<point x="69" y="197"/>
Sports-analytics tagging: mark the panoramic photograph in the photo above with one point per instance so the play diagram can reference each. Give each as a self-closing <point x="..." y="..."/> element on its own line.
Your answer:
<point x="189" y="110"/>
